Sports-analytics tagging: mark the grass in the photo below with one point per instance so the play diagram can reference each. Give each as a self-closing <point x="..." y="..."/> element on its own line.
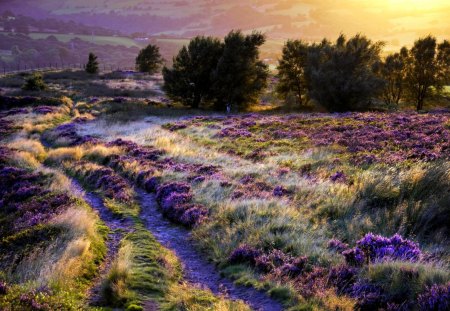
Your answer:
<point x="62" y="255"/>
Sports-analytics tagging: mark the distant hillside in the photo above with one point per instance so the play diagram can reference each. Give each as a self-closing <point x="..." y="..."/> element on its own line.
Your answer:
<point x="397" y="23"/>
<point x="181" y="18"/>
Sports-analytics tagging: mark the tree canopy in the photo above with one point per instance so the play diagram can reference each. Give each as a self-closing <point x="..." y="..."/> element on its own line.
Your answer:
<point x="341" y="76"/>
<point x="149" y="59"/>
<point x="190" y="79"/>
<point x="240" y="76"/>
<point x="225" y="74"/>
<point x="428" y="66"/>
<point x="291" y="71"/>
<point x="92" y="65"/>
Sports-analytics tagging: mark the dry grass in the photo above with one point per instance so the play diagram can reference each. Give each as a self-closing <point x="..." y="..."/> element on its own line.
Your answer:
<point x="63" y="261"/>
<point x="188" y="298"/>
<point x="63" y="154"/>
<point x="99" y="152"/>
<point x="33" y="147"/>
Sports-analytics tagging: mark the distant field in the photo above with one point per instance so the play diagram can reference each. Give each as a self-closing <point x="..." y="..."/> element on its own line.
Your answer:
<point x="101" y="40"/>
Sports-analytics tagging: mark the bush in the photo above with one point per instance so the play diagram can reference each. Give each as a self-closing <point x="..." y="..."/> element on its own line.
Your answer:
<point x="35" y="83"/>
<point x="92" y="65"/>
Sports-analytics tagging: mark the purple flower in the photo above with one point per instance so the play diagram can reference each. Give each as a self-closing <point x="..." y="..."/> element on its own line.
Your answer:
<point x="435" y="298"/>
<point x="354" y="256"/>
<point x="337" y="245"/>
<point x="275" y="259"/>
<point x="152" y="184"/>
<point x="280" y="191"/>
<point x="379" y="248"/>
<point x="165" y="190"/>
<point x="338" y="176"/>
<point x="343" y="278"/>
<point x="194" y="215"/>
<point x="244" y="254"/>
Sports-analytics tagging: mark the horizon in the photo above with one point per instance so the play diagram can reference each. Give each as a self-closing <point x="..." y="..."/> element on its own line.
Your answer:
<point x="396" y="22"/>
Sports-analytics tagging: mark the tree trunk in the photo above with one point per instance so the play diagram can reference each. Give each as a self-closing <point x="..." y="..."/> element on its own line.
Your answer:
<point x="196" y="101"/>
<point x="420" y="103"/>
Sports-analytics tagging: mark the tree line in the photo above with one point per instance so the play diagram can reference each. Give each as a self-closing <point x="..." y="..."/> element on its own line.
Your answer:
<point x="344" y="75"/>
<point x="349" y="74"/>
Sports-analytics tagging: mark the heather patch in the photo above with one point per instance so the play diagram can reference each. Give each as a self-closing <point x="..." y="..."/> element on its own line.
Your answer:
<point x="175" y="201"/>
<point x="364" y="138"/>
<point x="113" y="186"/>
<point x="66" y="135"/>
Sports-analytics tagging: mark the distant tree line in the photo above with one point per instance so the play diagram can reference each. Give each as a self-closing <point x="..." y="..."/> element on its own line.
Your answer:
<point x="24" y="51"/>
<point x="349" y="74"/>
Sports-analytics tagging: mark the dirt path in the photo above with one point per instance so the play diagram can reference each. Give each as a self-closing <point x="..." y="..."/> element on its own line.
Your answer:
<point x="117" y="229"/>
<point x="197" y="270"/>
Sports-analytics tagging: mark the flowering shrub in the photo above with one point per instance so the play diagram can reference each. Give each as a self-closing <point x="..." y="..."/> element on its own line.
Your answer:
<point x="343" y="278"/>
<point x="370" y="297"/>
<point x="68" y="134"/>
<point x="151" y="184"/>
<point x="338" y="177"/>
<point x="280" y="191"/>
<point x="354" y="256"/>
<point x="337" y="245"/>
<point x="113" y="185"/>
<point x="35" y="300"/>
<point x="135" y="150"/>
<point x="244" y="254"/>
<point x="175" y="202"/>
<point x="274" y="261"/>
<point x="435" y="298"/>
<point x="378" y="248"/>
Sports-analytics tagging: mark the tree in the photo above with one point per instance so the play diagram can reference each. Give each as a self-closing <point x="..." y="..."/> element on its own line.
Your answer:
<point x="291" y="70"/>
<point x="190" y="79"/>
<point x="392" y="70"/>
<point x="149" y="59"/>
<point x="35" y="83"/>
<point x="240" y="76"/>
<point x="428" y="66"/>
<point x="443" y="60"/>
<point x="92" y="65"/>
<point x="342" y="76"/>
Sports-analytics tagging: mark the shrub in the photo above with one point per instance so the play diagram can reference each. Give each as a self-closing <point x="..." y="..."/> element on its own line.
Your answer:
<point x="35" y="83"/>
<point x="92" y="65"/>
<point x="435" y="298"/>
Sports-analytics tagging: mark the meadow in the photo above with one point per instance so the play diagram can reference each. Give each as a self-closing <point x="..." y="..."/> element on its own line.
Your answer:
<point x="116" y="201"/>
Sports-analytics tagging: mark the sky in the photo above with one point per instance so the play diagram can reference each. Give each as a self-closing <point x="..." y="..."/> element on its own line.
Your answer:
<point x="397" y="22"/>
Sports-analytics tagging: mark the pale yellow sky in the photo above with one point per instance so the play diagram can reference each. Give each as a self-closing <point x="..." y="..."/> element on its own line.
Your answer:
<point x="398" y="22"/>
